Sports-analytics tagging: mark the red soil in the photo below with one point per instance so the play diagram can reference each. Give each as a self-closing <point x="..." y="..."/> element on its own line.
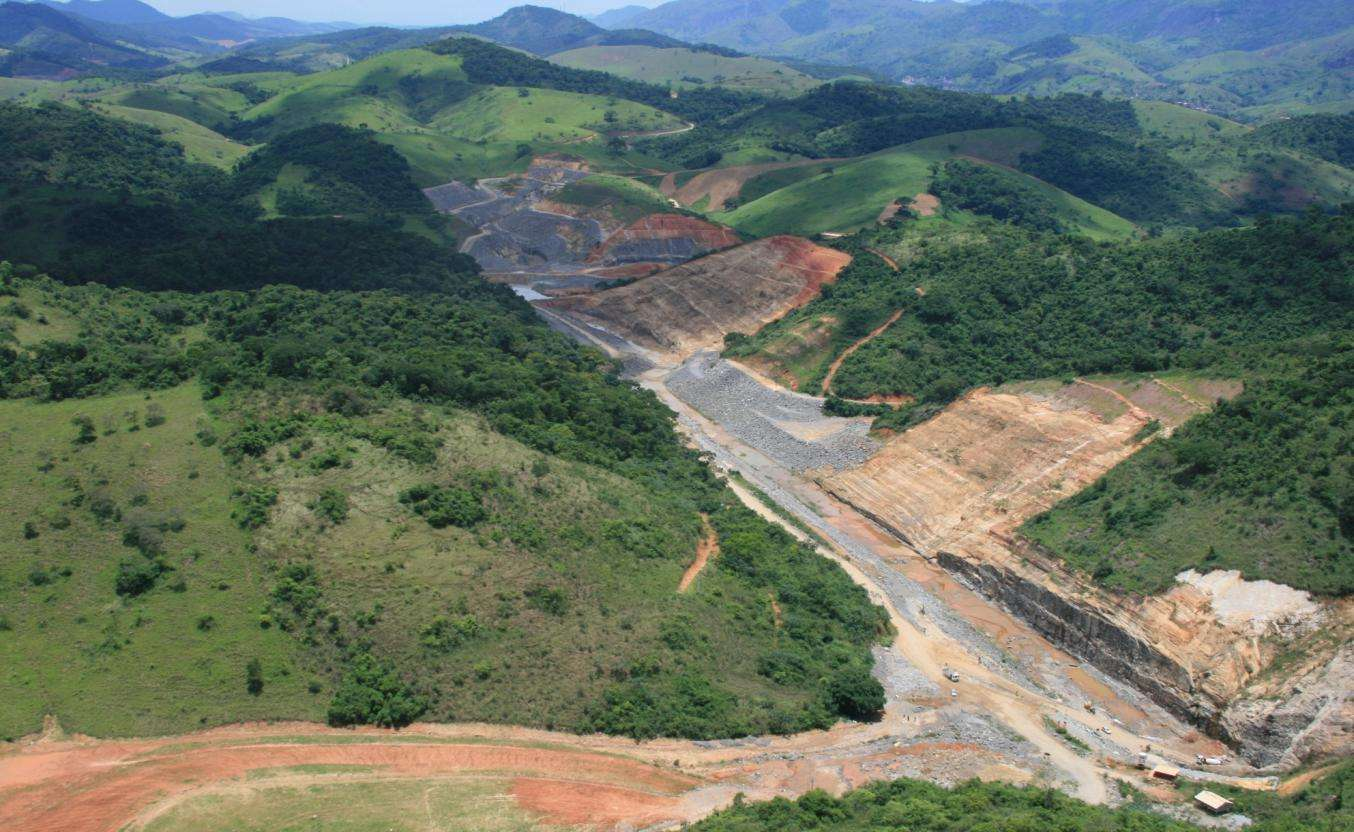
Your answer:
<point x="707" y="235"/>
<point x="73" y="787"/>
<point x="570" y="803"/>
<point x="707" y="548"/>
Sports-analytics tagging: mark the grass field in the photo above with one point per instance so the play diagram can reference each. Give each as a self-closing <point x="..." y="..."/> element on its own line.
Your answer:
<point x="444" y="804"/>
<point x="505" y="114"/>
<point x="69" y="644"/>
<point x="211" y="107"/>
<point x="842" y="198"/>
<point x="558" y="529"/>
<point x="436" y="158"/>
<point x="685" y="68"/>
<point x="1172" y="121"/>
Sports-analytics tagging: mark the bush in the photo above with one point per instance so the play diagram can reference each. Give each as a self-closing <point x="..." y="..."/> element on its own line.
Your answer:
<point x="254" y="504"/>
<point x="253" y="677"/>
<point x="444" y="506"/>
<point x="853" y="692"/>
<point x="332" y="505"/>
<point x="370" y="693"/>
<point x="137" y="576"/>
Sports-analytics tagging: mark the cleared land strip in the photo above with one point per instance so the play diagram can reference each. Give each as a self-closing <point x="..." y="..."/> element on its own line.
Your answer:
<point x="707" y="548"/>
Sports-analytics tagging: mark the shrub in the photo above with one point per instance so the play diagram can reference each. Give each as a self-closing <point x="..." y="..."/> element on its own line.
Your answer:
<point x="254" y="504"/>
<point x="155" y="415"/>
<point x="253" y="677"/>
<point x="445" y="634"/>
<point x="332" y="505"/>
<point x="137" y="576"/>
<point x="370" y="693"/>
<point x="444" y="506"/>
<point x="547" y="599"/>
<point x="85" y="431"/>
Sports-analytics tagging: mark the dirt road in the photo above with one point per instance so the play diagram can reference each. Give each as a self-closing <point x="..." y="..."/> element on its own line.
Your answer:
<point x="839" y="360"/>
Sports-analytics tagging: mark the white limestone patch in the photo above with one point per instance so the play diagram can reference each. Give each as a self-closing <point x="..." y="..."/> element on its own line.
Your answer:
<point x="1251" y="605"/>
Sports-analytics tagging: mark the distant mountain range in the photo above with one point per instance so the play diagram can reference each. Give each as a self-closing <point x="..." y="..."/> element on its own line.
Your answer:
<point x="535" y="29"/>
<point x="52" y="39"/>
<point x="1223" y="54"/>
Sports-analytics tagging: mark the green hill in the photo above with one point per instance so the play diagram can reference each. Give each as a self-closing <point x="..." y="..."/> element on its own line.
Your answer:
<point x="843" y="197"/>
<point x="1090" y="147"/>
<point x="399" y="496"/>
<point x="436" y="486"/>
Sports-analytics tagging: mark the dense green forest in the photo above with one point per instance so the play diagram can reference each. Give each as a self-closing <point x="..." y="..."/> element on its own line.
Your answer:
<point x="90" y="195"/>
<point x="984" y="190"/>
<point x="1270" y="305"/>
<point x="1329" y="137"/>
<point x="1321" y="806"/>
<point x="348" y="172"/>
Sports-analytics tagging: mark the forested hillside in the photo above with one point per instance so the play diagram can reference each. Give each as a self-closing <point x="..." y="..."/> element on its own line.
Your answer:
<point x="1270" y="305"/>
<point x="91" y="195"/>
<point x="400" y="496"/>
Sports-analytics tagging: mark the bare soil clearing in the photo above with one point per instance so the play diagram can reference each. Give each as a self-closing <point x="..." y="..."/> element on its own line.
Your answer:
<point x="696" y="304"/>
<point x="720" y="185"/>
<point x="926" y="205"/>
<point x="87" y="786"/>
<point x="707" y="548"/>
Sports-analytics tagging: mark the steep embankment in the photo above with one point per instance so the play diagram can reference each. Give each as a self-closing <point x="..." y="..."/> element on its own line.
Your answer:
<point x="957" y="487"/>
<point x="696" y="304"/>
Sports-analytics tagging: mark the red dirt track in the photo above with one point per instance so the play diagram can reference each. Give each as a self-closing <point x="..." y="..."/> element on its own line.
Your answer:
<point x="98" y="786"/>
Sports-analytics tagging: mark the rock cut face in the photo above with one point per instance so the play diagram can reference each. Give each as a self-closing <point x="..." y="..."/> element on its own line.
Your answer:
<point x="694" y="305"/>
<point x="662" y="238"/>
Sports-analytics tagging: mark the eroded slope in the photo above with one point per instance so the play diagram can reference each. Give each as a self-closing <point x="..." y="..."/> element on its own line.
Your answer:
<point x="696" y="304"/>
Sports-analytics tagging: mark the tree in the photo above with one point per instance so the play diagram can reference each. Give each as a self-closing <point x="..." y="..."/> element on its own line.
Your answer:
<point x="855" y="693"/>
<point x="253" y="677"/>
<point x="370" y="693"/>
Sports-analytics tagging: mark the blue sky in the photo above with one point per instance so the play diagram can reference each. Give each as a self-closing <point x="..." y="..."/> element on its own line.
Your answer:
<point x="399" y="12"/>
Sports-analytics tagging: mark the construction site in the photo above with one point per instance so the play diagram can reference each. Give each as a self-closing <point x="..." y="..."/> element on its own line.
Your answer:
<point x="1005" y="664"/>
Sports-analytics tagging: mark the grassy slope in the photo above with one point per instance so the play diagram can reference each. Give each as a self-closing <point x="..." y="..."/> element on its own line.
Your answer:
<point x="501" y="114"/>
<point x="847" y="197"/>
<point x="678" y="66"/>
<point x="852" y="194"/>
<point x="610" y="549"/>
<point x="1176" y="122"/>
<point x="1268" y="178"/>
<point x="74" y="646"/>
<point x="568" y="528"/>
